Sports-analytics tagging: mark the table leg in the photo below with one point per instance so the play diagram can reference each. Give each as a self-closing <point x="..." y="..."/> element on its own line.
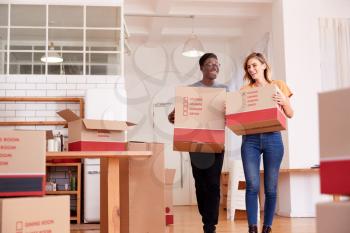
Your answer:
<point x="109" y="196"/>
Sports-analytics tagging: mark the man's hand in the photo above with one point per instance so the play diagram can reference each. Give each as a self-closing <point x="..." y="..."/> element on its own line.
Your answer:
<point x="171" y="117"/>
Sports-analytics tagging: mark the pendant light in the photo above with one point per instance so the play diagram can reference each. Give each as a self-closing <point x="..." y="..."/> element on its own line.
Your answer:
<point x="193" y="47"/>
<point x="52" y="56"/>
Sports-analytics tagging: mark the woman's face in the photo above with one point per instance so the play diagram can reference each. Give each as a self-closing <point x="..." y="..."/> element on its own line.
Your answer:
<point x="256" y="69"/>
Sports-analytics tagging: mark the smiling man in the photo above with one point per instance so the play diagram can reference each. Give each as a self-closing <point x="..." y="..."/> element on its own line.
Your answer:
<point x="206" y="167"/>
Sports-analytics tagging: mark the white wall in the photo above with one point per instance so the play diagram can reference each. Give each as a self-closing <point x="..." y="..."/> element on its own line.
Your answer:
<point x="336" y="8"/>
<point x="296" y="52"/>
<point x="152" y="73"/>
<point x="46" y="86"/>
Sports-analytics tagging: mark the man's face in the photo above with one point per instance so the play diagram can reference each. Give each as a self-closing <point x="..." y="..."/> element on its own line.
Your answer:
<point x="210" y="68"/>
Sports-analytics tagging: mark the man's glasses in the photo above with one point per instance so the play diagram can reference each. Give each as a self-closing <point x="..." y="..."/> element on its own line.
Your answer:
<point x="210" y="65"/>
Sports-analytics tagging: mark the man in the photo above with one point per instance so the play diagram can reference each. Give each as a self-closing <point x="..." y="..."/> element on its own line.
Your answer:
<point x="206" y="167"/>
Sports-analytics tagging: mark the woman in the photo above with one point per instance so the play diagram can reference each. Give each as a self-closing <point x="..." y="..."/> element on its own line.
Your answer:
<point x="270" y="145"/>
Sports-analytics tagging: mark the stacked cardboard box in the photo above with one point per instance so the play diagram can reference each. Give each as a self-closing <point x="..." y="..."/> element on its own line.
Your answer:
<point x="334" y="128"/>
<point x="22" y="163"/>
<point x="254" y="111"/>
<point x="199" y="119"/>
<point x="35" y="214"/>
<point x="333" y="217"/>
<point x="22" y="173"/>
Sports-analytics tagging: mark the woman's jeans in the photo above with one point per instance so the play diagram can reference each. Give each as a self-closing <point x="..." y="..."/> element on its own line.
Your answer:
<point x="270" y="145"/>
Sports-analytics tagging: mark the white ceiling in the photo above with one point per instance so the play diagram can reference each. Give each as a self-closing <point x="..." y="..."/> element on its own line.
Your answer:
<point x="212" y="18"/>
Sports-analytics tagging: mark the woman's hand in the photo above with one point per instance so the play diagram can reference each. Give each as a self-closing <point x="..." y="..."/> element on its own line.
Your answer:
<point x="171" y="117"/>
<point x="280" y="98"/>
<point x="283" y="100"/>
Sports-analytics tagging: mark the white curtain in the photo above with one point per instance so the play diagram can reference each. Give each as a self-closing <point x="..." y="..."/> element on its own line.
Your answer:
<point x="335" y="53"/>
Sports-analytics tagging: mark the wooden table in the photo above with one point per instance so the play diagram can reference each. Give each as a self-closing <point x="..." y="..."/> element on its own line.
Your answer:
<point x="109" y="181"/>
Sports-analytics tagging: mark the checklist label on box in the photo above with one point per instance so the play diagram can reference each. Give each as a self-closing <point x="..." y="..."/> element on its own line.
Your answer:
<point x="19" y="227"/>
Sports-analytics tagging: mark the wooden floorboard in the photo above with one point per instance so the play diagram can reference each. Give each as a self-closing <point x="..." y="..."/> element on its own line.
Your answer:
<point x="187" y="220"/>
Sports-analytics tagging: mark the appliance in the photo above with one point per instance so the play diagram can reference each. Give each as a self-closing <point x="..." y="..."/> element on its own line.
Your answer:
<point x="100" y="104"/>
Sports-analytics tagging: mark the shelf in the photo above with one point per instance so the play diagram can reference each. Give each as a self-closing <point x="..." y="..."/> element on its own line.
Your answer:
<point x="77" y="100"/>
<point x="75" y="215"/>
<point x="61" y="192"/>
<point x="62" y="164"/>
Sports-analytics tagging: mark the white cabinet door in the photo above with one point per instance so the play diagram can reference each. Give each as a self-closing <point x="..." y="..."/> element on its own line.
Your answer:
<point x="184" y="190"/>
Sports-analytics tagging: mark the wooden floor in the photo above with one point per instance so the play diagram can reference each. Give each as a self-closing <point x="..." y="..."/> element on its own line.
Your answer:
<point x="187" y="220"/>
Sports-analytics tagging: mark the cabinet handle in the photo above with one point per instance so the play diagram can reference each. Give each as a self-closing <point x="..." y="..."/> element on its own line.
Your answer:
<point x="93" y="172"/>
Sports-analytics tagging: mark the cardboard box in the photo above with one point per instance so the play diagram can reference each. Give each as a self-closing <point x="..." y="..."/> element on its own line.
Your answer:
<point x="334" y="126"/>
<point x="333" y="217"/>
<point x="254" y="111"/>
<point x="199" y="119"/>
<point x="94" y="135"/>
<point x="22" y="163"/>
<point x="35" y="214"/>
<point x="169" y="180"/>
<point x="142" y="190"/>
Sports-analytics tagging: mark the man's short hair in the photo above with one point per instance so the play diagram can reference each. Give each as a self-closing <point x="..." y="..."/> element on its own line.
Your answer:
<point x="206" y="56"/>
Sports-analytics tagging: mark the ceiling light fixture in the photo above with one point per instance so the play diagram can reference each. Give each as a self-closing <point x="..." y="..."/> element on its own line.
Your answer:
<point x="52" y="56"/>
<point x="193" y="47"/>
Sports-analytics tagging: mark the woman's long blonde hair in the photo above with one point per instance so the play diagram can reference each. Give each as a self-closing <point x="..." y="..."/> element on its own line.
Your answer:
<point x="261" y="58"/>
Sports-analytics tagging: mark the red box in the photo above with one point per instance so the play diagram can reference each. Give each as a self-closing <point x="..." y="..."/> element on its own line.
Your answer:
<point x="95" y="135"/>
<point x="254" y="111"/>
<point x="334" y="127"/>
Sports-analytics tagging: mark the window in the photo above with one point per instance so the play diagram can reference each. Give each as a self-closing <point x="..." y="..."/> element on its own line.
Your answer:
<point x="86" y="37"/>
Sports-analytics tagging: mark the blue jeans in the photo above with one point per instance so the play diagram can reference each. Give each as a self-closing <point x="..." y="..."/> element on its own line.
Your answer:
<point x="270" y="145"/>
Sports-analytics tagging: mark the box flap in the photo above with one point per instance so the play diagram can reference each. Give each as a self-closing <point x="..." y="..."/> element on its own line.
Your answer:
<point x="105" y="124"/>
<point x="68" y="115"/>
